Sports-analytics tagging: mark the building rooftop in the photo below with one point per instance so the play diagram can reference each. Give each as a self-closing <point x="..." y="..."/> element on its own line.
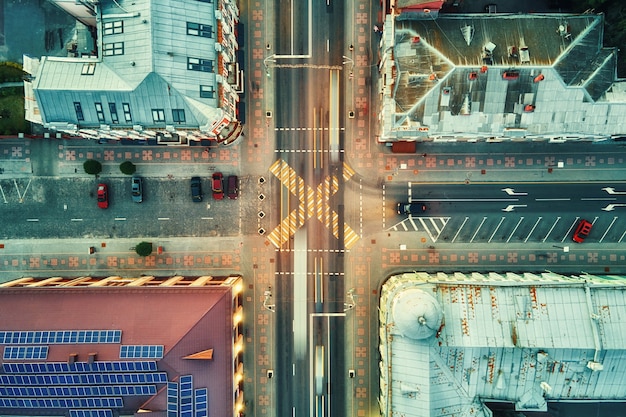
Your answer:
<point x="451" y="343"/>
<point x="499" y="75"/>
<point x="119" y="345"/>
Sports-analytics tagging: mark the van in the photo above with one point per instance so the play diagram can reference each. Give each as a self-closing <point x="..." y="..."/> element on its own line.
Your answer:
<point x="232" y="188"/>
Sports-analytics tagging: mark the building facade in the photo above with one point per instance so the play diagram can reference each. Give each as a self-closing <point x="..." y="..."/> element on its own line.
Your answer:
<point x="105" y="347"/>
<point x="144" y="69"/>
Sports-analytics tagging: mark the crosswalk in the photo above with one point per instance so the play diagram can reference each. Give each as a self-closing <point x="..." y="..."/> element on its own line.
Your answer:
<point x="312" y="202"/>
<point x="432" y="226"/>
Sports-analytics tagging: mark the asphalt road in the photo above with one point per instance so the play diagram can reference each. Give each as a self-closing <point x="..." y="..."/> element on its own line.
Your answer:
<point x="49" y="207"/>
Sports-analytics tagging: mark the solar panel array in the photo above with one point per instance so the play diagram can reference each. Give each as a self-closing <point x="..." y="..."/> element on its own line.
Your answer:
<point x="85" y="379"/>
<point x="184" y="401"/>
<point x="25" y="352"/>
<point x="102" y="402"/>
<point x="141" y="351"/>
<point x="91" y="413"/>
<point x="29" y="337"/>
<point x="84" y="391"/>
<point x="99" y="366"/>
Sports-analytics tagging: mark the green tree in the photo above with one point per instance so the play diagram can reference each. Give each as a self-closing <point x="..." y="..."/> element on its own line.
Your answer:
<point x="92" y="167"/>
<point x="144" y="248"/>
<point x="128" y="168"/>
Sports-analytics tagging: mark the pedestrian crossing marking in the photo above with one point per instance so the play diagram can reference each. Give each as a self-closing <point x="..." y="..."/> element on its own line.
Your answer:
<point x="312" y="202"/>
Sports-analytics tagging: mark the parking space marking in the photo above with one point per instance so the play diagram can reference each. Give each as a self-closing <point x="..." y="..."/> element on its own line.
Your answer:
<point x="552" y="228"/>
<point x="479" y="226"/>
<point x="514" y="229"/>
<point x="533" y="229"/>
<point x="459" y="231"/>
<point x="621" y="237"/>
<point x="496" y="229"/>
<point x="570" y="229"/>
<point x="3" y="196"/>
<point x="608" y="228"/>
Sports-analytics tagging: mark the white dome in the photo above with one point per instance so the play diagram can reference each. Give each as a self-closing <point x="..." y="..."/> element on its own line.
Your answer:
<point x="416" y="313"/>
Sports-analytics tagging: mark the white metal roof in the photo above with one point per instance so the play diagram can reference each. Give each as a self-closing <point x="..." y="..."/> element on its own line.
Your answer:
<point x="524" y="339"/>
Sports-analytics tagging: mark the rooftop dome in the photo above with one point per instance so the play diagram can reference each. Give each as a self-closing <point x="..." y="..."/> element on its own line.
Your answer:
<point x="417" y="314"/>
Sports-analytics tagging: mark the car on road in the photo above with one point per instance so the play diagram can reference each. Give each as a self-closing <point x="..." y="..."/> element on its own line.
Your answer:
<point x="411" y="208"/>
<point x="103" y="196"/>
<point x="232" y="187"/>
<point x="582" y="231"/>
<point x="218" y="188"/>
<point x="136" y="189"/>
<point x="196" y="189"/>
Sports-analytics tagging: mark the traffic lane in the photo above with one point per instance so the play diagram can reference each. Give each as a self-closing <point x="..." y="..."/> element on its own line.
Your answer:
<point x="535" y="191"/>
<point x="436" y="207"/>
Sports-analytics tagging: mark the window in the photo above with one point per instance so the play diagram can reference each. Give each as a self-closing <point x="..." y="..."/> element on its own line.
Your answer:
<point x="158" y="115"/>
<point x="100" y="112"/>
<point x="113" y="28"/>
<point x="198" y="29"/>
<point x="79" y="111"/>
<point x="207" y="91"/>
<point x="115" y="48"/>
<point x="88" y="69"/>
<point x="127" y="116"/>
<point x="199" y="64"/>
<point x="113" y="111"/>
<point x="178" y="115"/>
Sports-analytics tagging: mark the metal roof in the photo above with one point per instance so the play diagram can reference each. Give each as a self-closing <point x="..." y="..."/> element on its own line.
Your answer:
<point x="524" y="339"/>
<point x="485" y="74"/>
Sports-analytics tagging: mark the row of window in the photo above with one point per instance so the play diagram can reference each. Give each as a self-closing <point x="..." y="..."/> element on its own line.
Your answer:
<point x="194" y="29"/>
<point x="158" y="115"/>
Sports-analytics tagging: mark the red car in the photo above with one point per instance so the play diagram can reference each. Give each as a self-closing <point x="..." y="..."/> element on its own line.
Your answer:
<point x="218" y="188"/>
<point x="582" y="230"/>
<point x="103" y="196"/>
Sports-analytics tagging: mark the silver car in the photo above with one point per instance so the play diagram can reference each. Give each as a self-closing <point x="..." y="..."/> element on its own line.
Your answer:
<point x="136" y="189"/>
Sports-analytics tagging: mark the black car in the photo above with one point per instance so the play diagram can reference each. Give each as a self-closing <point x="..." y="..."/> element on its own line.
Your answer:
<point x="411" y="208"/>
<point x="196" y="189"/>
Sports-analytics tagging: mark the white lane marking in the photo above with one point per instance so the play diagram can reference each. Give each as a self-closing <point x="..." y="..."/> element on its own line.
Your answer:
<point x="533" y="229"/>
<point x="608" y="228"/>
<point x="514" y="229"/>
<point x="459" y="231"/>
<point x="494" y="232"/>
<point x="553" y="199"/>
<point x="479" y="226"/>
<point x="120" y="218"/>
<point x="427" y="230"/>
<point x="570" y="229"/>
<point x="552" y="228"/>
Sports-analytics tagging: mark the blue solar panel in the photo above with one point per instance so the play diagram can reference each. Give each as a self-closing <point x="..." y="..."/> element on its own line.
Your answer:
<point x="101" y="366"/>
<point x="25" y="352"/>
<point x="141" y="351"/>
<point x="84" y="391"/>
<point x="84" y="379"/>
<point x="201" y="403"/>
<point x="28" y="337"/>
<point x="172" y="399"/>
<point x="91" y="413"/>
<point x="103" y="402"/>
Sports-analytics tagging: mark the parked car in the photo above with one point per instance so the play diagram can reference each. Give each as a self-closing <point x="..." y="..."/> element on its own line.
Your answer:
<point x="218" y="188"/>
<point x="232" y="187"/>
<point x="582" y="231"/>
<point x="136" y="189"/>
<point x="411" y="208"/>
<point x="103" y="196"/>
<point x="196" y="189"/>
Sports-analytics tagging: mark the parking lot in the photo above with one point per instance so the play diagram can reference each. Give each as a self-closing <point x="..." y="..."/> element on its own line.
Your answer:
<point x="513" y="228"/>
